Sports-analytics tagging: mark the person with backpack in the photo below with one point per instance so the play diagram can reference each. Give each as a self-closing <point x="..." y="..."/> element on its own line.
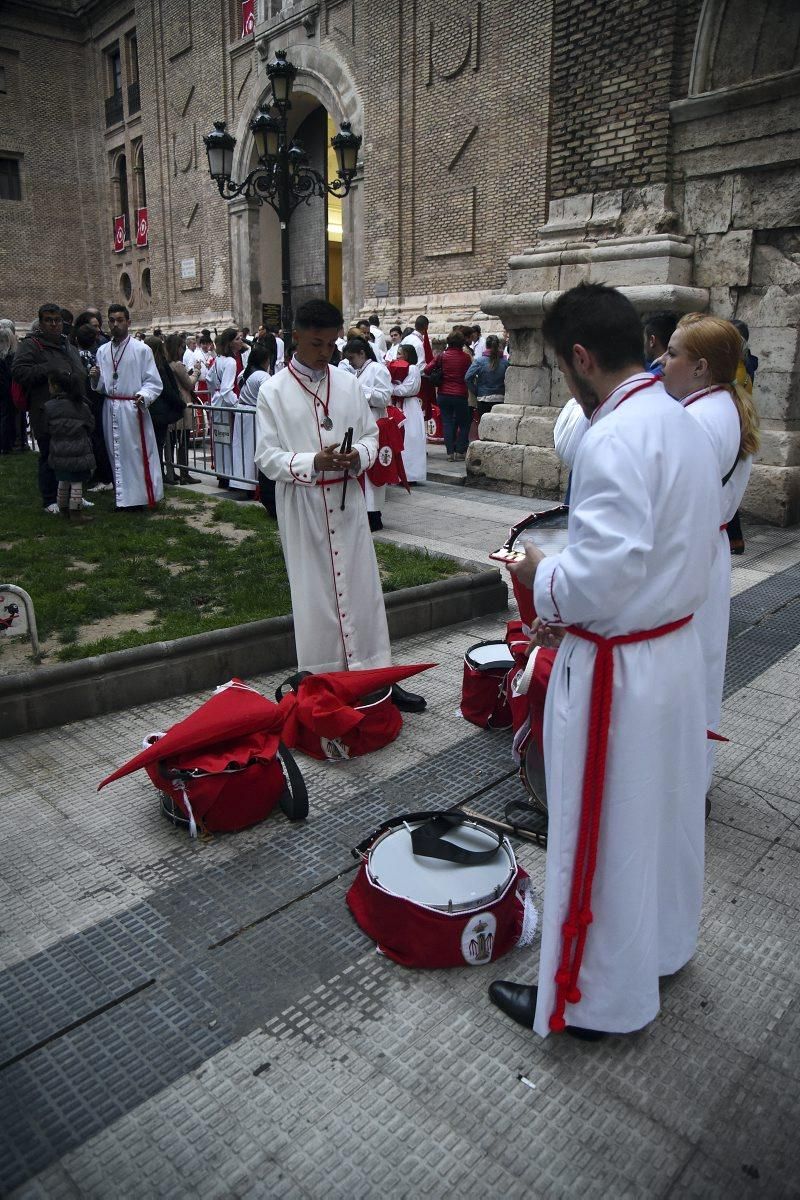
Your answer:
<point x="44" y="350"/>
<point x="67" y="423"/>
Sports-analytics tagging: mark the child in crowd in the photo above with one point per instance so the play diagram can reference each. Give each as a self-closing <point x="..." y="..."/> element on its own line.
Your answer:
<point x="69" y="423"/>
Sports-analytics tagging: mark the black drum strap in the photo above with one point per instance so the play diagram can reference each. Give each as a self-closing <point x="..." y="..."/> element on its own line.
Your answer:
<point x="429" y="841"/>
<point x="294" y="801"/>
<point x="291" y="684"/>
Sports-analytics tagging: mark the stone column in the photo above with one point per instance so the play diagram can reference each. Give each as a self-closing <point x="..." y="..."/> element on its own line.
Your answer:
<point x="245" y="281"/>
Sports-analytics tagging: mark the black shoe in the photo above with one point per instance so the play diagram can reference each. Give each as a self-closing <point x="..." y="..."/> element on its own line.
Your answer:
<point x="187" y="478"/>
<point x="408" y="701"/>
<point x="375" y="522"/>
<point x="518" y="1001"/>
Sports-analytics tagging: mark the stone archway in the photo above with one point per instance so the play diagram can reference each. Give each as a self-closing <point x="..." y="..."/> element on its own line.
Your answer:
<point x="323" y="80"/>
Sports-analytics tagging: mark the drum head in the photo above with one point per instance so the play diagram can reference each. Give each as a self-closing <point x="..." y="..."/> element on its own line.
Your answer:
<point x="531" y="772"/>
<point x="437" y="884"/>
<point x="487" y="656"/>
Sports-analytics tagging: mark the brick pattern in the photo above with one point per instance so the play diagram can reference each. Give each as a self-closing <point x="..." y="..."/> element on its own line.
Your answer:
<point x="610" y="125"/>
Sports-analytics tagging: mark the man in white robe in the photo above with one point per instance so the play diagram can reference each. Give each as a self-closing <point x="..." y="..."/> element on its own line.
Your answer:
<point x="302" y="417"/>
<point x="642" y="527"/>
<point x="126" y="374"/>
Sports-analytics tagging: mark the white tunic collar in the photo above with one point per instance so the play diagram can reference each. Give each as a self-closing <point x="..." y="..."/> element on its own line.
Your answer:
<point x="307" y="372"/>
<point x="614" y="398"/>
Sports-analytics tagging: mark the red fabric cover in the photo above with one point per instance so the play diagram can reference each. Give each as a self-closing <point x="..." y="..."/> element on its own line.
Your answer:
<point x="524" y="598"/>
<point x="216" y="733"/>
<point x="326" y="707"/>
<point x="420" y="937"/>
<point x="389" y="468"/>
<point x="483" y="697"/>
<point x="433" y="426"/>
<point x="227" y="802"/>
<point x="397" y="369"/>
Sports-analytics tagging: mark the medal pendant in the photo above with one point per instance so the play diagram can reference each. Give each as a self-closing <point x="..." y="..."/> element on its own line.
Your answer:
<point x="326" y="423"/>
<point x="114" y="376"/>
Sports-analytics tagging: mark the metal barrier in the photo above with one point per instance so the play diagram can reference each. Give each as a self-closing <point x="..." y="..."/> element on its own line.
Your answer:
<point x="221" y="443"/>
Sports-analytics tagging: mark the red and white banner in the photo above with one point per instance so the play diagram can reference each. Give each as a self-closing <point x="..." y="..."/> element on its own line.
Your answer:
<point x="141" y="227"/>
<point x="248" y="17"/>
<point x="119" y="234"/>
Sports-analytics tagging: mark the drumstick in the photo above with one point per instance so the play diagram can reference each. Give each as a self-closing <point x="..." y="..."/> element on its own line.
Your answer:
<point x="514" y="829"/>
<point x="346" y="447"/>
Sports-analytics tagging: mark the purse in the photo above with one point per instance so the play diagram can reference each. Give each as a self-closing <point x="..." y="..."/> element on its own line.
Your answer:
<point x="435" y="372"/>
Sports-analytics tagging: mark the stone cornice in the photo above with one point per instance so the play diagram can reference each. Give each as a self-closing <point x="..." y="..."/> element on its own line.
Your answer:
<point x="528" y="308"/>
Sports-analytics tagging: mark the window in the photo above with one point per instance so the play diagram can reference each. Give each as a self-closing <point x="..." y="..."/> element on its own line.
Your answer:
<point x="10" y="184"/>
<point x="126" y="287"/>
<point x="133" y="58"/>
<point x="147" y="286"/>
<point x="114" y="71"/>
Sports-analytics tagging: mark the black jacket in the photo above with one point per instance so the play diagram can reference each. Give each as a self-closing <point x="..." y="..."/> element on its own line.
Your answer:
<point x="68" y="424"/>
<point x="34" y="359"/>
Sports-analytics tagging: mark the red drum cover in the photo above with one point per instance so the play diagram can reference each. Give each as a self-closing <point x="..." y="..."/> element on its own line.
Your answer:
<point x="230" y="800"/>
<point x="381" y="723"/>
<point x="414" y="933"/>
<point x="433" y="426"/>
<point x="388" y="467"/>
<point x="483" y="692"/>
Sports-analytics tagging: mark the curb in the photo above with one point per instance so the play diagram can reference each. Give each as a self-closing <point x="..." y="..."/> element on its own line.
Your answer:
<point x="107" y="683"/>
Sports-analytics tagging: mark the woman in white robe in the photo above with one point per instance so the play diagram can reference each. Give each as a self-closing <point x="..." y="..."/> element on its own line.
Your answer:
<point x="376" y="384"/>
<point x="222" y="387"/>
<point x="126" y="367"/>
<point x="699" y="370"/>
<point x="407" y="396"/>
<point x="243" y="444"/>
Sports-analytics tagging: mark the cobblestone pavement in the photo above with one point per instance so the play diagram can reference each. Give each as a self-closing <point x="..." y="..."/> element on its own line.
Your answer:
<point x="205" y="1019"/>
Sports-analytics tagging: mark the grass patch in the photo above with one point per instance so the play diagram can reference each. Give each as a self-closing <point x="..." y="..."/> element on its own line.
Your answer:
<point x="123" y="561"/>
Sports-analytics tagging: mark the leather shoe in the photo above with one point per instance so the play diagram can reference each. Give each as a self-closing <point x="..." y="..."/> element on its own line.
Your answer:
<point x="518" y="1001"/>
<point x="408" y="701"/>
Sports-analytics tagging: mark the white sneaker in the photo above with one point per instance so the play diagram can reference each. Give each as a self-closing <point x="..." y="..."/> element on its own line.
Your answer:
<point x="52" y="508"/>
<point x="86" y="503"/>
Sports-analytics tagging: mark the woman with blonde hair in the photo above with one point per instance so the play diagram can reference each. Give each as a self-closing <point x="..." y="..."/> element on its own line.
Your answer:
<point x="700" y="366"/>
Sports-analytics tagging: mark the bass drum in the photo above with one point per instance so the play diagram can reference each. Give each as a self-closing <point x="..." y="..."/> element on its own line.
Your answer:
<point x="531" y="772"/>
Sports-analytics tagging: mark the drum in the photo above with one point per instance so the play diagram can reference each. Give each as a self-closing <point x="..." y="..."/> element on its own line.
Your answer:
<point x="433" y="427"/>
<point x="483" y="692"/>
<point x="531" y="772"/>
<point x="427" y="911"/>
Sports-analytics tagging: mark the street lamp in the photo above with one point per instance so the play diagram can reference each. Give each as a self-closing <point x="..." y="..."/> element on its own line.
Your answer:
<point x="282" y="179"/>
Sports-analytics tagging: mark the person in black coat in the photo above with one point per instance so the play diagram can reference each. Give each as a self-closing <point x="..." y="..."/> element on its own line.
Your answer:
<point x="67" y="423"/>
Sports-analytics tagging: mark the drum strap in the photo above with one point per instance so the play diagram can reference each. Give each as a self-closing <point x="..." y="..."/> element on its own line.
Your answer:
<point x="441" y="849"/>
<point x="428" y="841"/>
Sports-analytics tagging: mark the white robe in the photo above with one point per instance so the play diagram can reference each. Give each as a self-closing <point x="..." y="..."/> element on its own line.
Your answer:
<point x="379" y="341"/>
<point x="641" y="535"/>
<point x="337" y="601"/>
<point x="571" y="424"/>
<point x="716" y="412"/>
<point x="243" y="442"/>
<point x="137" y="375"/>
<point x="415" y="448"/>
<point x="221" y="381"/>
<point x="376" y="384"/>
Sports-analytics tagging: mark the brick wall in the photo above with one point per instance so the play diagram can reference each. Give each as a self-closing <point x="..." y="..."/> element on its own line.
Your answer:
<point x="612" y="84"/>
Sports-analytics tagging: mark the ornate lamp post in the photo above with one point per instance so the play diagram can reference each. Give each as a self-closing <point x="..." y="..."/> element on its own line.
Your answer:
<point x="282" y="179"/>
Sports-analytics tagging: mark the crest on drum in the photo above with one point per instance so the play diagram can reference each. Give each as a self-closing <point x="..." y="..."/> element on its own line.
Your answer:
<point x="477" y="939"/>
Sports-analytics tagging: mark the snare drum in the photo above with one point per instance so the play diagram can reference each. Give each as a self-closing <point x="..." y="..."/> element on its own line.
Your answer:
<point x="483" y="691"/>
<point x="531" y="772"/>
<point x="428" y="912"/>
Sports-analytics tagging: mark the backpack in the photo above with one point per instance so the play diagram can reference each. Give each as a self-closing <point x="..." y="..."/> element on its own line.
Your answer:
<point x="19" y="397"/>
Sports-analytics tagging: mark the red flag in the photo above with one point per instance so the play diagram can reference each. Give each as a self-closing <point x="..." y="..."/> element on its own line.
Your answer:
<point x="248" y="17"/>
<point x="119" y="234"/>
<point x="141" y="227"/>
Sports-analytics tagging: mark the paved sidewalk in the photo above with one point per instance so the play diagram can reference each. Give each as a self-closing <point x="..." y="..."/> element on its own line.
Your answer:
<point x="205" y="1019"/>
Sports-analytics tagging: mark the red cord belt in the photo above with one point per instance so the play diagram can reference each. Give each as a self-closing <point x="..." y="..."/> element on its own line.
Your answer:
<point x="579" y="914"/>
<point x="148" y="481"/>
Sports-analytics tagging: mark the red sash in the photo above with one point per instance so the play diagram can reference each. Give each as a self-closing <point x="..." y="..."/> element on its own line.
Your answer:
<point x="148" y="481"/>
<point x="579" y="913"/>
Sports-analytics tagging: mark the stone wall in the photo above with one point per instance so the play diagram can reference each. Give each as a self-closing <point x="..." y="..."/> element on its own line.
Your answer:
<point x="720" y="232"/>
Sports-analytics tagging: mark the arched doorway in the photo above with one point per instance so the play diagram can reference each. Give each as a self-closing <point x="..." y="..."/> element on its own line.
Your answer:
<point x="316" y="228"/>
<point x="325" y="234"/>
